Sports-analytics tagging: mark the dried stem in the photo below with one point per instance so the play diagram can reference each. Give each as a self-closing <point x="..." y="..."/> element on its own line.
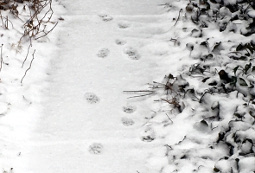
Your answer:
<point x="30" y="65"/>
<point x="178" y="17"/>
<point x="169" y="118"/>
<point x="47" y="32"/>
<point x="30" y="45"/>
<point x="1" y="65"/>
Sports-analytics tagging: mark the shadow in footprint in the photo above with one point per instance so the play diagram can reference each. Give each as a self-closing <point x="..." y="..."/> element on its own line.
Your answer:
<point x="129" y="109"/>
<point x="96" y="148"/>
<point x="127" y="121"/>
<point x="123" y="25"/>
<point x="132" y="53"/>
<point x="103" y="53"/>
<point x="91" y="98"/>
<point x="148" y="134"/>
<point x="105" y="17"/>
<point x="120" y="42"/>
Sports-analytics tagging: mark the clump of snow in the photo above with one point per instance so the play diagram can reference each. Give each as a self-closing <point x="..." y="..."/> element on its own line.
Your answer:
<point x="231" y="2"/>
<point x="251" y="13"/>
<point x="247" y="164"/>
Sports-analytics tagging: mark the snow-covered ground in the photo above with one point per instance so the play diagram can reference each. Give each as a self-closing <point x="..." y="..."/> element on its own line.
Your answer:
<point x="75" y="112"/>
<point x="87" y="122"/>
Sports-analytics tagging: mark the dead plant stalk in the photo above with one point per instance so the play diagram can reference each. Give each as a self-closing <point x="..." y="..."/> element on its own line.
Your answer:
<point x="30" y="65"/>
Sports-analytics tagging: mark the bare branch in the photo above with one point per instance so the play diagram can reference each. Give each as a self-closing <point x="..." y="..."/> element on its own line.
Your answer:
<point x="26" y="55"/>
<point x="178" y="17"/>
<point x="30" y="65"/>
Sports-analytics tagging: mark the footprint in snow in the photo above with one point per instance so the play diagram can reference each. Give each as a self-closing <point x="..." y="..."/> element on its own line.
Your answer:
<point x="148" y="134"/>
<point x="103" y="53"/>
<point x="132" y="53"/>
<point x="129" y="109"/>
<point x="91" y="98"/>
<point x="105" y="17"/>
<point x="123" y="25"/>
<point x="96" y="148"/>
<point x="127" y="121"/>
<point x="120" y="42"/>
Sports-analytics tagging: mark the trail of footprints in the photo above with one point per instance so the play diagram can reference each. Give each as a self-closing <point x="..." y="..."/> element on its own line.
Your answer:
<point x="129" y="110"/>
<point x="92" y="98"/>
<point x="130" y="52"/>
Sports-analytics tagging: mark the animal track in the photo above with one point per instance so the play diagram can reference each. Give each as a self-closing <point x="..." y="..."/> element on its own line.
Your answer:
<point x="103" y="53"/>
<point x="105" y="17"/>
<point x="132" y="53"/>
<point x="123" y="25"/>
<point x="120" y="42"/>
<point x="127" y="121"/>
<point x="96" y="148"/>
<point x="91" y="98"/>
<point x="129" y="109"/>
<point x="148" y="134"/>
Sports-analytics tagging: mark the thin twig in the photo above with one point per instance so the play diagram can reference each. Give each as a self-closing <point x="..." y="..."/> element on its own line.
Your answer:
<point x="143" y="93"/>
<point x="28" y="67"/>
<point x="47" y="32"/>
<point x="26" y="55"/>
<point x="182" y="140"/>
<point x="1" y="65"/>
<point x="35" y="25"/>
<point x="139" y="96"/>
<point x="178" y="17"/>
<point x="169" y="118"/>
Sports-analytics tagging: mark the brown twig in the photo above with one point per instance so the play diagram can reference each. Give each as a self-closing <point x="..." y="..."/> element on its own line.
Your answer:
<point x="26" y="55"/>
<point x="47" y="32"/>
<point x="30" y="65"/>
<point x="36" y="24"/>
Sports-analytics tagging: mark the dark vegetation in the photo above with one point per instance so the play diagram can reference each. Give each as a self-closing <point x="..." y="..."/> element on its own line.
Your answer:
<point x="226" y="74"/>
<point x="34" y="18"/>
<point x="36" y="23"/>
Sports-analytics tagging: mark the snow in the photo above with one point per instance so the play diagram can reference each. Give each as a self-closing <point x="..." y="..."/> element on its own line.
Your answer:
<point x="86" y="125"/>
<point x="80" y="109"/>
<point x="252" y="13"/>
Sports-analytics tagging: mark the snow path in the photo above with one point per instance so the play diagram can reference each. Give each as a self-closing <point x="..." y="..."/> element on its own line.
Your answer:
<point x="85" y="106"/>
